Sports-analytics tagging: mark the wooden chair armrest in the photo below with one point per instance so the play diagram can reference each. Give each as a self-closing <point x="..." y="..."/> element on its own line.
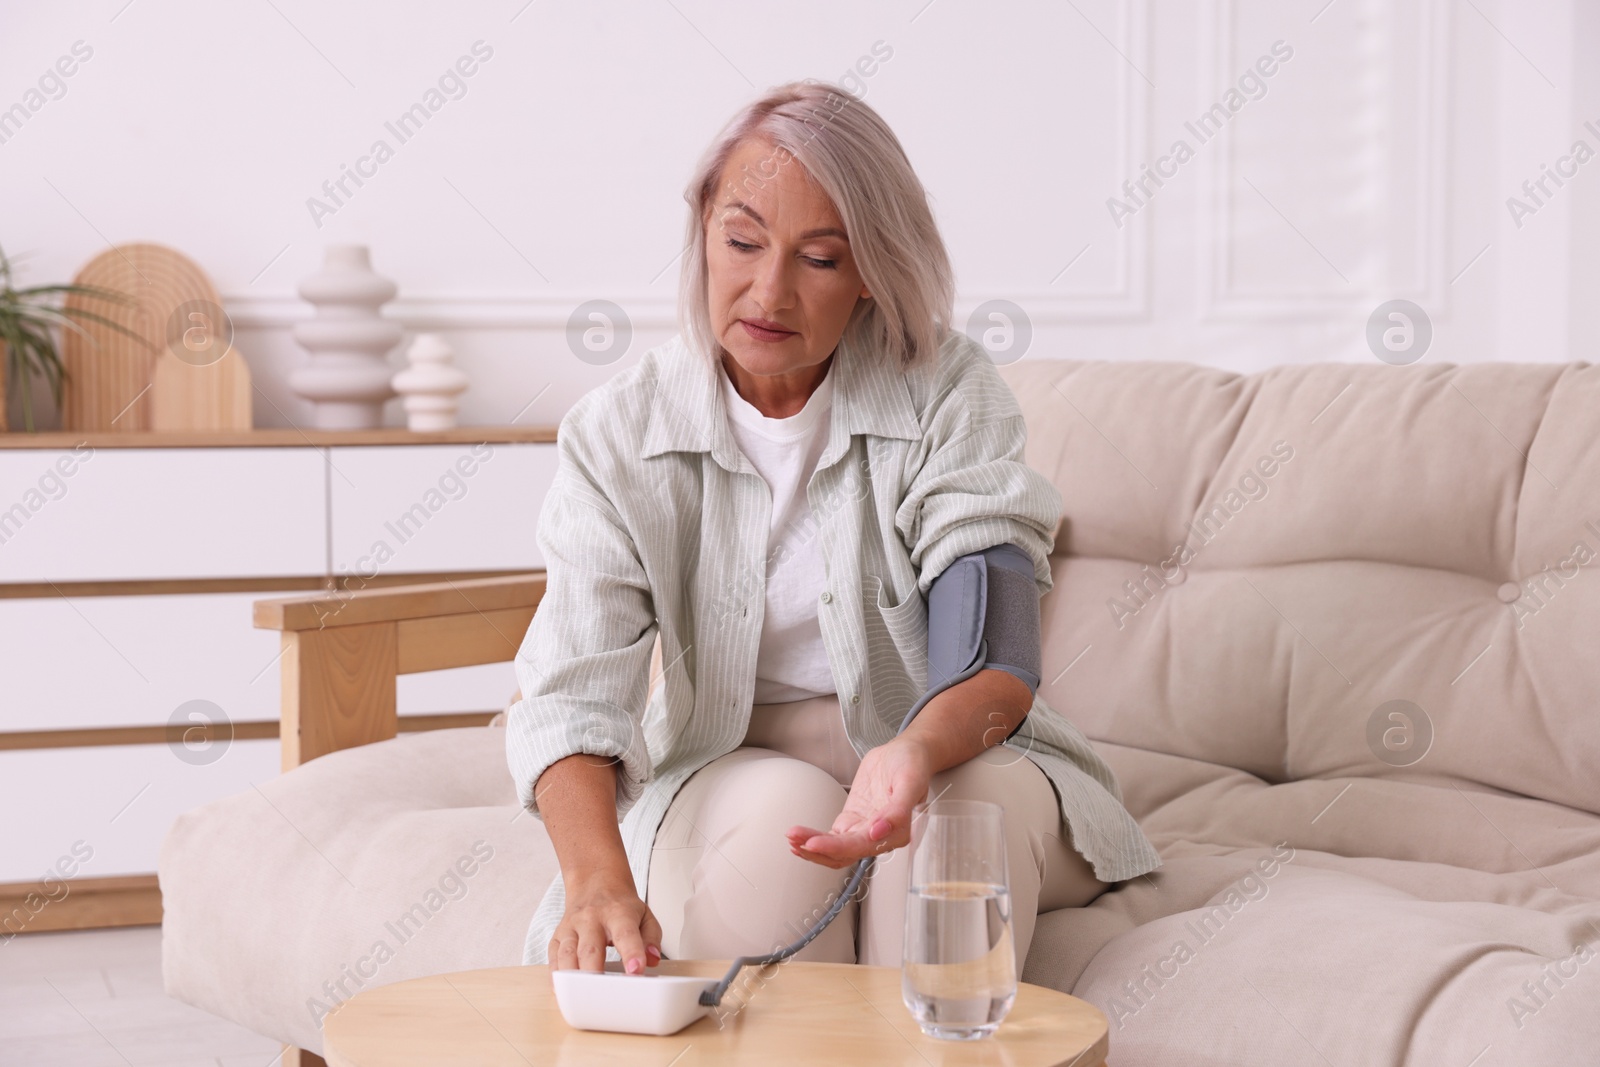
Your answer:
<point x="389" y="603"/>
<point x="342" y="651"/>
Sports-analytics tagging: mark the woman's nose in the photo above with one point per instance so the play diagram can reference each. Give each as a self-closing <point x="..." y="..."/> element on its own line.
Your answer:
<point x="773" y="285"/>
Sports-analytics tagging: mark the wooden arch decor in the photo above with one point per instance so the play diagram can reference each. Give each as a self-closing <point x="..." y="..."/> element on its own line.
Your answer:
<point x="175" y="382"/>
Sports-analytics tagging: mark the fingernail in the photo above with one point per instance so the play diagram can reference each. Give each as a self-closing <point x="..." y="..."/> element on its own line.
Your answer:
<point x="653" y="952"/>
<point x="634" y="966"/>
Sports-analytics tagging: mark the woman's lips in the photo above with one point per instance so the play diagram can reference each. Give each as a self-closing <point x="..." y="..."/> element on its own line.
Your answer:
<point x="761" y="333"/>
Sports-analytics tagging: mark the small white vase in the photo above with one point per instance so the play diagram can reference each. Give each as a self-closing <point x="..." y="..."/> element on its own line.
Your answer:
<point x="348" y="378"/>
<point x="432" y="385"/>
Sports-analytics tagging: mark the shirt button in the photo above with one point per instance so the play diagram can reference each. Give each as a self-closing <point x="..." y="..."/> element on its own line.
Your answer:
<point x="855" y="698"/>
<point x="827" y="598"/>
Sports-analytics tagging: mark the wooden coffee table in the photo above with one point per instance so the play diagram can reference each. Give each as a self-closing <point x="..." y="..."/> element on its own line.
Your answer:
<point x="796" y="1013"/>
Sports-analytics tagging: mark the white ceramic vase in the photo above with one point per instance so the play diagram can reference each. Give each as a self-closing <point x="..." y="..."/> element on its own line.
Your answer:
<point x="432" y="385"/>
<point x="348" y="378"/>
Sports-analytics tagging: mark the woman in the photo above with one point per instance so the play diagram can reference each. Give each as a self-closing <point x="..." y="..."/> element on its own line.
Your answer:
<point x="772" y="493"/>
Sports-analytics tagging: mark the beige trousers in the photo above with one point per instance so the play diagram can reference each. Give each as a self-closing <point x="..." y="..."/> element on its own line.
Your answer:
<point x="723" y="882"/>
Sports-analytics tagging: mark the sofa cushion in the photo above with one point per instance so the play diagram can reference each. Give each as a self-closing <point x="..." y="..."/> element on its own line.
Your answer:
<point x="1378" y="922"/>
<point x="395" y="860"/>
<point x="1353" y="535"/>
<point x="1316" y="965"/>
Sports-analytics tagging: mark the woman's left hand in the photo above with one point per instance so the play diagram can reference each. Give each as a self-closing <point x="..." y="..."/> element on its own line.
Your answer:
<point x="892" y="779"/>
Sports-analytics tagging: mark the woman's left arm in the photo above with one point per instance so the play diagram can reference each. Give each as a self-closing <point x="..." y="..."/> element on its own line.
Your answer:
<point x="955" y="726"/>
<point x="967" y="718"/>
<point x="972" y="490"/>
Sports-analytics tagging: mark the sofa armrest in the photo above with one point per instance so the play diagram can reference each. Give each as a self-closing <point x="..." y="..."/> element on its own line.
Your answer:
<point x="341" y="651"/>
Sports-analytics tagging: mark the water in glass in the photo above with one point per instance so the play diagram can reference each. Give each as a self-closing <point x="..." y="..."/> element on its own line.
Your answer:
<point x="959" y="977"/>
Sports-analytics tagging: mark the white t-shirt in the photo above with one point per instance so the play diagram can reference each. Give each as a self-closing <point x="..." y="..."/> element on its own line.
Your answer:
<point x="791" y="662"/>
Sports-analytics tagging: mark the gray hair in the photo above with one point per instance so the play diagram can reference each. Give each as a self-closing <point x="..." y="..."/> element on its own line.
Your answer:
<point x="856" y="160"/>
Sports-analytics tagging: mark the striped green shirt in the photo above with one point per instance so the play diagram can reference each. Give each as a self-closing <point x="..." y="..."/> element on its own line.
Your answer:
<point x="657" y="524"/>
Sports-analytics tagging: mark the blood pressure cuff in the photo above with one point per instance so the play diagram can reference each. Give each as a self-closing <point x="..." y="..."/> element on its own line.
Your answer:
<point x="983" y="613"/>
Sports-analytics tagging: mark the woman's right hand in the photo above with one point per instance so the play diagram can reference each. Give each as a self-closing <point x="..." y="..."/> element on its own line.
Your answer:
<point x="604" y="909"/>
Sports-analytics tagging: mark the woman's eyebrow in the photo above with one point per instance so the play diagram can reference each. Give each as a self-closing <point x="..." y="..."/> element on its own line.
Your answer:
<point x="745" y="209"/>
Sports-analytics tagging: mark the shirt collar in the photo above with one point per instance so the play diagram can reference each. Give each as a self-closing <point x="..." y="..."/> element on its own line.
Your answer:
<point x="689" y="414"/>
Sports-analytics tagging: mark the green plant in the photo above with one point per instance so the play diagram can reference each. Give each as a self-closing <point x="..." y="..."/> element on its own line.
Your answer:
<point x="26" y="316"/>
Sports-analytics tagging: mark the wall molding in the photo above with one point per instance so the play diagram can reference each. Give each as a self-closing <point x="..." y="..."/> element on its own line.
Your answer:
<point x="1131" y="297"/>
<point x="460" y="311"/>
<point x="463" y="312"/>
<point x="1213" y="214"/>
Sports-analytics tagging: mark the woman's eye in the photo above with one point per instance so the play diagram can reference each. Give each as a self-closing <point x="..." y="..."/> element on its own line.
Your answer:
<point x="742" y="246"/>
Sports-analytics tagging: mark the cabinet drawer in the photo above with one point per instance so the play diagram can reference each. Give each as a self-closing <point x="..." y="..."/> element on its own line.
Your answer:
<point x="131" y="661"/>
<point x="438" y="507"/>
<point x="129" y="513"/>
<point x="118" y="800"/>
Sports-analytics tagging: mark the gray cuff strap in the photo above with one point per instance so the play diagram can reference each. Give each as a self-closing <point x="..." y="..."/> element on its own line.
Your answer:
<point x="1011" y="624"/>
<point x="984" y="604"/>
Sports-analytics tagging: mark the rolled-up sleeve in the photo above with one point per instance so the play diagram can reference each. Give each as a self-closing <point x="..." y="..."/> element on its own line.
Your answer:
<point x="973" y="490"/>
<point x="583" y="665"/>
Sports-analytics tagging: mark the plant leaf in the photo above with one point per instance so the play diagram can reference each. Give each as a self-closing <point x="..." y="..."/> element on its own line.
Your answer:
<point x="114" y="296"/>
<point x="66" y="317"/>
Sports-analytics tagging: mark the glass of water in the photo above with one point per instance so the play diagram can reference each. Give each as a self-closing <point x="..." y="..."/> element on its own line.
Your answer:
<point x="959" y="977"/>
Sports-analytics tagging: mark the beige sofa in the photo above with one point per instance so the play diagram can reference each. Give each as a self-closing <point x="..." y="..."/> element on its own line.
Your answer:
<point x="1359" y="717"/>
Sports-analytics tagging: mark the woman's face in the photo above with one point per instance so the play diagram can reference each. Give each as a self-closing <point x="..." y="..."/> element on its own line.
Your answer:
<point x="777" y="256"/>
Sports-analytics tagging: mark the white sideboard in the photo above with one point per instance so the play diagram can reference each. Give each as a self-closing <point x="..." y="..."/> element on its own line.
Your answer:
<point x="128" y="567"/>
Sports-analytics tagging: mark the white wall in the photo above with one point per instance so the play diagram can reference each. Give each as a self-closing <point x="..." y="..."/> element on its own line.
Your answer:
<point x="1377" y="165"/>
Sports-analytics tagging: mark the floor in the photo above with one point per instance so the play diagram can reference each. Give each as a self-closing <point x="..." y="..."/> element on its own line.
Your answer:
<point x="91" y="997"/>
